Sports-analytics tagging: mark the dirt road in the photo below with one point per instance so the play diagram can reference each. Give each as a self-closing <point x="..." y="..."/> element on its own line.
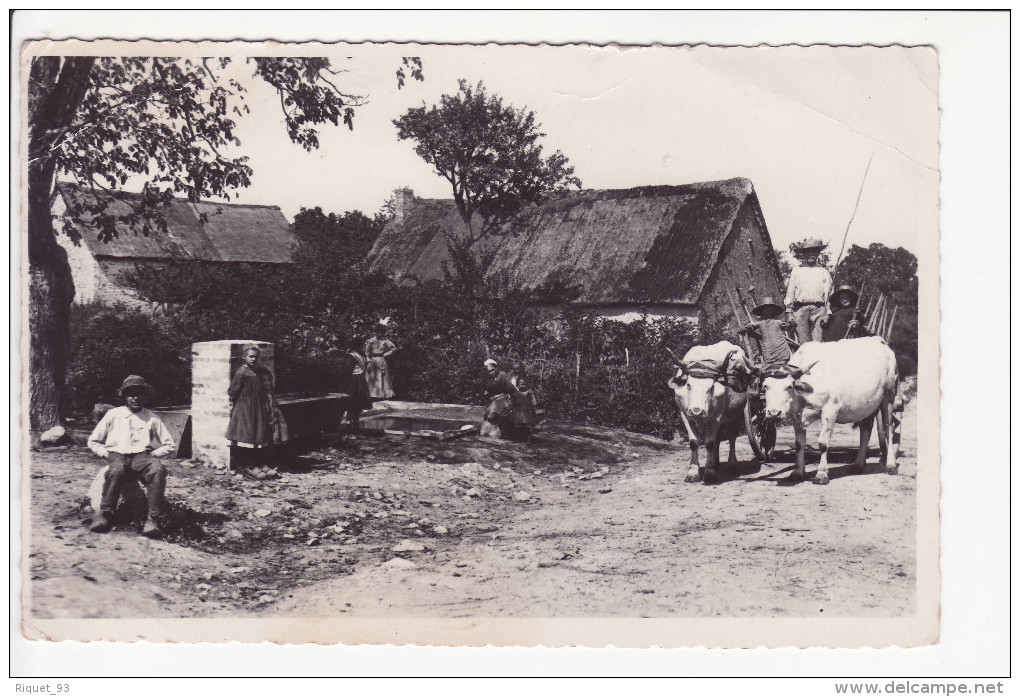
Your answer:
<point x="587" y="522"/>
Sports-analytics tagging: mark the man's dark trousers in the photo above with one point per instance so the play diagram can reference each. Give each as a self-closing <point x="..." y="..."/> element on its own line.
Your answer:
<point x="124" y="468"/>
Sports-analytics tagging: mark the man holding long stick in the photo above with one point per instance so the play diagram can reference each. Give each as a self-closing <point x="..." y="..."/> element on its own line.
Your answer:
<point x="808" y="293"/>
<point x="846" y="321"/>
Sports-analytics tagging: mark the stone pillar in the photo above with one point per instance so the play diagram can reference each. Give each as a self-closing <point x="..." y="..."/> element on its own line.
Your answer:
<point x="213" y="364"/>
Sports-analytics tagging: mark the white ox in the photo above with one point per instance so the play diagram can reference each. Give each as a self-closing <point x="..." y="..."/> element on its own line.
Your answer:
<point x="709" y="406"/>
<point x="848" y="381"/>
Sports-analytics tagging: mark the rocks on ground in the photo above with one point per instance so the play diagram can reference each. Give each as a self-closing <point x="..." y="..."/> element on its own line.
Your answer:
<point x="399" y="564"/>
<point x="54" y="436"/>
<point x="408" y="546"/>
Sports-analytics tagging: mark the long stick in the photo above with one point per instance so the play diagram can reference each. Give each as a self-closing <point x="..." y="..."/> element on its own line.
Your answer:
<point x="863" y="179"/>
<point x="857" y="308"/>
<point x="745" y="341"/>
<point x="875" y="312"/>
<point x="889" y="327"/>
<point x="885" y="323"/>
<point x="750" y="317"/>
<point x="882" y="318"/>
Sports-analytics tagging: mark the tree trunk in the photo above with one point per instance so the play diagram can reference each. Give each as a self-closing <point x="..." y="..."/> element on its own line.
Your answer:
<point x="50" y="292"/>
<point x="56" y="89"/>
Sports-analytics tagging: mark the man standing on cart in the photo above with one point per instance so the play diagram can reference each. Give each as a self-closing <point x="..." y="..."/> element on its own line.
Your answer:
<point x="808" y="292"/>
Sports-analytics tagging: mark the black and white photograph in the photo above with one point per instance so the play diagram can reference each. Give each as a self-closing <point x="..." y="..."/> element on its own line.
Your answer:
<point x="481" y="344"/>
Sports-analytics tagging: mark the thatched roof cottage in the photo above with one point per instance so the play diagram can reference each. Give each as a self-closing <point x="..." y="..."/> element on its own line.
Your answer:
<point x="199" y="233"/>
<point x="656" y="250"/>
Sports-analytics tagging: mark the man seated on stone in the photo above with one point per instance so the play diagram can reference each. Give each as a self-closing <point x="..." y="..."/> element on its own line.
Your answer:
<point x="127" y="436"/>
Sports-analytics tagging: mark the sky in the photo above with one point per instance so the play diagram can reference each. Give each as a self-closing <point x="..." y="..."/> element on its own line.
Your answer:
<point x="801" y="123"/>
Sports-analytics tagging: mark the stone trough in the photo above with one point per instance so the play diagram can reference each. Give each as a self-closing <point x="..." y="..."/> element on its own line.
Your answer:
<point x="419" y="419"/>
<point x="200" y="428"/>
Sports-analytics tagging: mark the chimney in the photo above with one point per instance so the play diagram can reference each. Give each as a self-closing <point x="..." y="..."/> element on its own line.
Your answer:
<point x="403" y="199"/>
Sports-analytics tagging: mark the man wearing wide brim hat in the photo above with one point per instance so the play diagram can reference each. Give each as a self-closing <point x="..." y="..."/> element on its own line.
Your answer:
<point x="811" y="246"/>
<point x="770" y="331"/>
<point x="136" y="383"/>
<point x="127" y="436"/>
<point x="808" y="292"/>
<point x="845" y="321"/>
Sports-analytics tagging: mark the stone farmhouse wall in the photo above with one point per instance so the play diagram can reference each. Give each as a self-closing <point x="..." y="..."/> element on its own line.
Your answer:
<point x="746" y="262"/>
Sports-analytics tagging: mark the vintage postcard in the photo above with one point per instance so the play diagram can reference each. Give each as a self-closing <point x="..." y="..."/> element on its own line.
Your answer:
<point x="480" y="344"/>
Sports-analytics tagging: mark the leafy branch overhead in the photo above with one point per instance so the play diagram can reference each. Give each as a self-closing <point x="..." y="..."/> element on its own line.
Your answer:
<point x="489" y="153"/>
<point x="167" y="123"/>
<point x="173" y="122"/>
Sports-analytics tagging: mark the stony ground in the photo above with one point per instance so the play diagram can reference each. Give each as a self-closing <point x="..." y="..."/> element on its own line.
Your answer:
<point x="586" y="522"/>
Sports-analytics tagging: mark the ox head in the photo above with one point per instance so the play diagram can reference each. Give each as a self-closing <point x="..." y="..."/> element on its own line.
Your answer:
<point x="781" y="384"/>
<point x="698" y="390"/>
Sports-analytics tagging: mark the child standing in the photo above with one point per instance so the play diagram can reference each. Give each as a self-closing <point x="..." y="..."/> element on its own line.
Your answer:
<point x="770" y="331"/>
<point x="125" y="437"/>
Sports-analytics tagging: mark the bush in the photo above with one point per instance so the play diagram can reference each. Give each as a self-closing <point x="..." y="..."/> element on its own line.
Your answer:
<point x="110" y="343"/>
<point x="583" y="368"/>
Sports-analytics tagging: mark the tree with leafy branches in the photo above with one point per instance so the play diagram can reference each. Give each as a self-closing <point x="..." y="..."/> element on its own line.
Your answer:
<point x="893" y="272"/>
<point x="102" y="121"/>
<point x="489" y="153"/>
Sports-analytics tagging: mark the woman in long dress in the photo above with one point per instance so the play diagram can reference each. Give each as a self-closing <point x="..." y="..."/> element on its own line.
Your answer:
<point x="377" y="349"/>
<point x="354" y="382"/>
<point x="252" y="417"/>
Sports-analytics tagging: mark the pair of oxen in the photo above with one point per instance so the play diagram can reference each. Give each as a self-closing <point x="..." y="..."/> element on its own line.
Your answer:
<point x="849" y="381"/>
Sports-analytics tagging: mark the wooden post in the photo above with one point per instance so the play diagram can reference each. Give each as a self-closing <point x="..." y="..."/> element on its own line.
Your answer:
<point x="626" y="355"/>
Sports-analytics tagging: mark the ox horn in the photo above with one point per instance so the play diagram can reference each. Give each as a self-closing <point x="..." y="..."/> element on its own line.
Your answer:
<point x="798" y="373"/>
<point x="676" y="361"/>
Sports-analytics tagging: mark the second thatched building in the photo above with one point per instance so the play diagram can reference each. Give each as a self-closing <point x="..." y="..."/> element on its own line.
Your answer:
<point x="692" y="251"/>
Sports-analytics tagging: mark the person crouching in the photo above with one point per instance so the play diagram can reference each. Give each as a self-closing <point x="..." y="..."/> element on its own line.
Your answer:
<point x="510" y="409"/>
<point x="125" y="436"/>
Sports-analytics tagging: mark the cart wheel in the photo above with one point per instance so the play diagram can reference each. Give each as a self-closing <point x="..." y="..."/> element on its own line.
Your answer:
<point x="761" y="431"/>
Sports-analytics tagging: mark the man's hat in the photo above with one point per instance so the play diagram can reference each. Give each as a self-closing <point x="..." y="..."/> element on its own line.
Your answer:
<point x="136" y="381"/>
<point x="768" y="303"/>
<point x="812" y="244"/>
<point x="843" y="290"/>
<point x="488" y="362"/>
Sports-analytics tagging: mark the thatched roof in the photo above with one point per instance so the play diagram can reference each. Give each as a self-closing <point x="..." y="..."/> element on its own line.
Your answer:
<point x="655" y="244"/>
<point x="231" y="232"/>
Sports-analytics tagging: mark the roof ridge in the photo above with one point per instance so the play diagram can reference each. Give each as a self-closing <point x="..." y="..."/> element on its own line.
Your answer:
<point x="115" y="193"/>
<point x="665" y="188"/>
<point x="652" y="243"/>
